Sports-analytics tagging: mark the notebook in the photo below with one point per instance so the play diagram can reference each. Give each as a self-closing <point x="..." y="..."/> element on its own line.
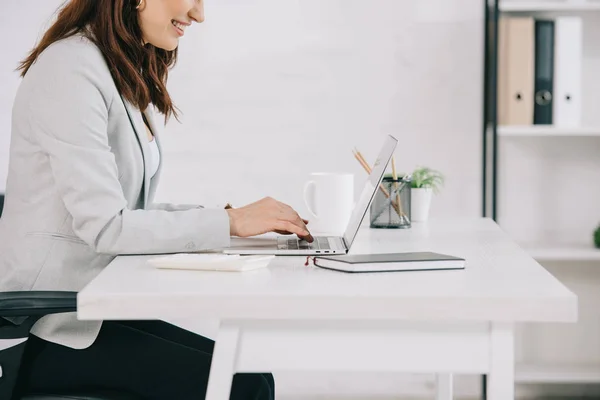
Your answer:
<point x="418" y="261"/>
<point x="211" y="262"/>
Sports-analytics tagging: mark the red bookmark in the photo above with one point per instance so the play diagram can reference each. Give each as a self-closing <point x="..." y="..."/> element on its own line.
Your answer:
<point x="307" y="263"/>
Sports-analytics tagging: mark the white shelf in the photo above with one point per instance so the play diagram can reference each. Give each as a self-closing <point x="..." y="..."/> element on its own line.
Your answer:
<point x="546" y="130"/>
<point x="548" y="5"/>
<point x="562" y="252"/>
<point x="531" y="373"/>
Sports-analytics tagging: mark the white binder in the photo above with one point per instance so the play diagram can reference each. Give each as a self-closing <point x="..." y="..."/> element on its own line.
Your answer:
<point x="567" y="71"/>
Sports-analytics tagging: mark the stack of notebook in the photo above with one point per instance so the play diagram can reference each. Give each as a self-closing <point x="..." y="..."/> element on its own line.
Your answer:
<point x="539" y="71"/>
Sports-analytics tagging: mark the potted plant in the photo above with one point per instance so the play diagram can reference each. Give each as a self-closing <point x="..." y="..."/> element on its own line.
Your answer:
<point x="425" y="182"/>
<point x="597" y="237"/>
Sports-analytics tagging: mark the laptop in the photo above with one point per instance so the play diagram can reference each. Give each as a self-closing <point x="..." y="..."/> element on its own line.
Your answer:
<point x="294" y="246"/>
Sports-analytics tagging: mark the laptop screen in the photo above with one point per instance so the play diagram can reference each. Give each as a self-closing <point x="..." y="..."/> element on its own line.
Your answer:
<point x="368" y="193"/>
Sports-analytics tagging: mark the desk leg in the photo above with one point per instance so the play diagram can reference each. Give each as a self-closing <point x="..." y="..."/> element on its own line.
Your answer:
<point x="223" y="363"/>
<point x="444" y="387"/>
<point x="501" y="379"/>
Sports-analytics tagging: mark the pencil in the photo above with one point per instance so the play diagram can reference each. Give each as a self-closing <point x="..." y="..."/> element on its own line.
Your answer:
<point x="395" y="176"/>
<point x="368" y="169"/>
<point x="362" y="161"/>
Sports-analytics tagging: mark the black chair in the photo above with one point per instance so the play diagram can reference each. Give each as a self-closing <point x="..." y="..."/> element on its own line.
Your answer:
<point x="13" y="338"/>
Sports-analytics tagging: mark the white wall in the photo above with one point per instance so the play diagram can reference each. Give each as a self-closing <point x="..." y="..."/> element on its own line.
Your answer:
<point x="271" y="90"/>
<point x="275" y="89"/>
<point x="21" y="22"/>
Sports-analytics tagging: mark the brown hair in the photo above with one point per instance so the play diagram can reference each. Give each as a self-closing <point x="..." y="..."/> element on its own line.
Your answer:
<point x="140" y="72"/>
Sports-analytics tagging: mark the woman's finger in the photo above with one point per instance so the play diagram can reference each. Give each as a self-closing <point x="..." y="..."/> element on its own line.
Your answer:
<point x="282" y="225"/>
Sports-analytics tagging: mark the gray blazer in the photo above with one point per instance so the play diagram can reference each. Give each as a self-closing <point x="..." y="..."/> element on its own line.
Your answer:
<point x="78" y="191"/>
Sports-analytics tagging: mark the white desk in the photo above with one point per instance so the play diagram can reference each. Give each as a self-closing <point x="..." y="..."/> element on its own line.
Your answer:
<point x="289" y="317"/>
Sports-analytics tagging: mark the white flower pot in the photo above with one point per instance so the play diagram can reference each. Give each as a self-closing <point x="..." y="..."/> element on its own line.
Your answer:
<point x="420" y="201"/>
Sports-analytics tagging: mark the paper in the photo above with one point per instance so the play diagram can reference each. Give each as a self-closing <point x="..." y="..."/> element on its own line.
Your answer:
<point x="212" y="262"/>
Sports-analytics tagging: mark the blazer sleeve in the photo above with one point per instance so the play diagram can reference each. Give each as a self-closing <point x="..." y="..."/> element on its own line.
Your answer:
<point x="68" y="112"/>
<point x="173" y="207"/>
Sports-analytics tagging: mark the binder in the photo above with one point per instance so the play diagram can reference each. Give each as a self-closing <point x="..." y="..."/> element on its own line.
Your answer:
<point x="568" y="71"/>
<point x="516" y="64"/>
<point x="544" y="72"/>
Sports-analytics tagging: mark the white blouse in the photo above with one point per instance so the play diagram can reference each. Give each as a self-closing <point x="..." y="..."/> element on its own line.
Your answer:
<point x="154" y="157"/>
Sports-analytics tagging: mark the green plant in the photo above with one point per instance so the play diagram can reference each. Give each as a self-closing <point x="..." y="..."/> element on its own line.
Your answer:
<point x="391" y="176"/>
<point x="597" y="237"/>
<point x="425" y="177"/>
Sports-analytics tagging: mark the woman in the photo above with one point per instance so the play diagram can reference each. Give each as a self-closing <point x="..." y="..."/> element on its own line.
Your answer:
<point x="84" y="166"/>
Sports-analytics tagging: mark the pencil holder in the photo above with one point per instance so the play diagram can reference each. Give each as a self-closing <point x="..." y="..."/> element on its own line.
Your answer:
<point x="391" y="206"/>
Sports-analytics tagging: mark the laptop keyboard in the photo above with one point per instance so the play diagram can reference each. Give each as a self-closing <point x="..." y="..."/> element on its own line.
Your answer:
<point x="320" y="243"/>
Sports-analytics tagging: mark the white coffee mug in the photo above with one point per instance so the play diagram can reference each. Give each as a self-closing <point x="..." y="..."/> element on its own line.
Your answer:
<point x="329" y="198"/>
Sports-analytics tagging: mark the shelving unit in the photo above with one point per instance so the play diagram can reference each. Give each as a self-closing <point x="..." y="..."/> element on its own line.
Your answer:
<point x="550" y="5"/>
<point x="549" y="131"/>
<point x="559" y="253"/>
<point x="562" y="252"/>
<point x="531" y="373"/>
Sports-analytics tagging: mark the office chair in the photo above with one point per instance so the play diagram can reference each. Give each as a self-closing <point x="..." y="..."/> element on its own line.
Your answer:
<point x="13" y="337"/>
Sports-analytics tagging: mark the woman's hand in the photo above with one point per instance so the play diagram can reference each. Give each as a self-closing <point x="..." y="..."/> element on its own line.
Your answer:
<point x="267" y="215"/>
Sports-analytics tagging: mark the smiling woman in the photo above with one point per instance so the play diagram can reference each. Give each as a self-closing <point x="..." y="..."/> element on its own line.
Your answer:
<point x="84" y="168"/>
<point x="130" y="34"/>
<point x="164" y="22"/>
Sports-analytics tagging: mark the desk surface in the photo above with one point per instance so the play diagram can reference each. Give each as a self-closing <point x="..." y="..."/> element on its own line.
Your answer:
<point x="501" y="282"/>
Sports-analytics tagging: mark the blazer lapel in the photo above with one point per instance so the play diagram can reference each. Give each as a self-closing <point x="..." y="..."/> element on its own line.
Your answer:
<point x="137" y="123"/>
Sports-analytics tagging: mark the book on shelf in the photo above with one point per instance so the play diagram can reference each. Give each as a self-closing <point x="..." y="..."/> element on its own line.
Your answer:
<point x="540" y="71"/>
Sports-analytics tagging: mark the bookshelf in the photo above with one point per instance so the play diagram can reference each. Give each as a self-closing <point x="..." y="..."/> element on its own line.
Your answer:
<point x="549" y="131"/>
<point x="492" y="131"/>
<point x="550" y="5"/>
<point x="562" y="252"/>
<point x="532" y="373"/>
<point x="533" y="157"/>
